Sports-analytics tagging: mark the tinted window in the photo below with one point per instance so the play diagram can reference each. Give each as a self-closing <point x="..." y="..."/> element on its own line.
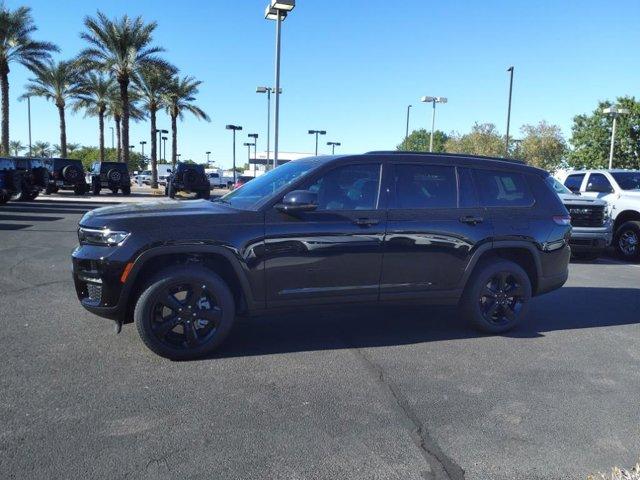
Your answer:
<point x="598" y="183"/>
<point x="424" y="186"/>
<point x="573" y="182"/>
<point x="627" y="180"/>
<point x="556" y="186"/>
<point x="468" y="196"/>
<point x="351" y="187"/>
<point x="503" y="189"/>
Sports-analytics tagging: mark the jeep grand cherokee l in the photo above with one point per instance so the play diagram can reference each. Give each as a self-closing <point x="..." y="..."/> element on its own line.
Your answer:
<point x="481" y="233"/>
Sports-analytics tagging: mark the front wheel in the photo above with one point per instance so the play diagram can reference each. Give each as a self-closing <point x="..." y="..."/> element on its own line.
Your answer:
<point x="497" y="296"/>
<point x="126" y="190"/>
<point x="79" y="189"/>
<point x="95" y="189"/>
<point x="185" y="312"/>
<point x="627" y="241"/>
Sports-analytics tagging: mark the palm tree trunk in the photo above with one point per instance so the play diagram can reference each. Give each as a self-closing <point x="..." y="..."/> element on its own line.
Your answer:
<point x="124" y="96"/>
<point x="4" y="87"/>
<point x="174" y="140"/>
<point x="101" y="132"/>
<point x="118" y="121"/>
<point x="63" y="132"/>
<point x="154" y="159"/>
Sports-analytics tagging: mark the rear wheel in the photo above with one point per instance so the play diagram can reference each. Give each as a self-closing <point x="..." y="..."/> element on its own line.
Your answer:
<point x="627" y="241"/>
<point x="114" y="191"/>
<point x="185" y="312"/>
<point x="126" y="190"/>
<point x="95" y="189"/>
<point x="497" y="296"/>
<point x="204" y="194"/>
<point x="49" y="189"/>
<point x="80" y="189"/>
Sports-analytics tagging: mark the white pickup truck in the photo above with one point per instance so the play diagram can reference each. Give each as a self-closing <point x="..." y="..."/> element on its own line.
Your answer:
<point x="621" y="190"/>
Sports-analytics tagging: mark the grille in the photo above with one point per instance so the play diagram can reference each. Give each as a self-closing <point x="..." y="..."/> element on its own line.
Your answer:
<point x="587" y="216"/>
<point x="94" y="292"/>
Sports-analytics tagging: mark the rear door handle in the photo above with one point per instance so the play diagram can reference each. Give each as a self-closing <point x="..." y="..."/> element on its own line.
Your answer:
<point x="471" y="219"/>
<point x="366" y="222"/>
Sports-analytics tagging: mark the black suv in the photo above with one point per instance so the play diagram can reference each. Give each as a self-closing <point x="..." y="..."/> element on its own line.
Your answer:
<point x="24" y="178"/>
<point x="484" y="234"/>
<point x="111" y="175"/>
<point x="189" y="178"/>
<point x="66" y="174"/>
<point x="10" y="179"/>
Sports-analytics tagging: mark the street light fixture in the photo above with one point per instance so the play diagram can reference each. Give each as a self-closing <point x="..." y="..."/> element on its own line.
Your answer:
<point x="278" y="10"/>
<point x="234" y="128"/>
<point x="316" y="133"/>
<point x="333" y="146"/>
<point x="614" y="112"/>
<point x="433" y="100"/>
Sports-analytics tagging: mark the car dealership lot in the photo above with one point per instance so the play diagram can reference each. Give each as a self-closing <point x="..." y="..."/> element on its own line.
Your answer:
<point x="369" y="393"/>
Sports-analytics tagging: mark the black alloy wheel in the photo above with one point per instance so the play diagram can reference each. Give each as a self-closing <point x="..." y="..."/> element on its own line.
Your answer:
<point x="501" y="299"/>
<point x="627" y="241"/>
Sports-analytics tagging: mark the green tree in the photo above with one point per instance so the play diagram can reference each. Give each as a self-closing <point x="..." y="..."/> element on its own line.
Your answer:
<point x="178" y="99"/>
<point x="122" y="47"/>
<point x="483" y="139"/>
<point x="17" y="46"/>
<point x="418" y="141"/>
<point x="97" y="91"/>
<point x="114" y="110"/>
<point x="58" y="82"/>
<point x="591" y="137"/>
<point x="41" y="149"/>
<point x="151" y="83"/>
<point x="542" y="146"/>
<point x="15" y="146"/>
<point x="89" y="155"/>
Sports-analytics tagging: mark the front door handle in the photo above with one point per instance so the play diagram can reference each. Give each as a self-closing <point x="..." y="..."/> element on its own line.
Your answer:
<point x="366" y="222"/>
<point x="471" y="219"/>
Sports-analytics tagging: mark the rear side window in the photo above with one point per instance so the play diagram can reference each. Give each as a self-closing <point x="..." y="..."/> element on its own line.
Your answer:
<point x="503" y="189"/>
<point x="424" y="186"/>
<point x="573" y="182"/>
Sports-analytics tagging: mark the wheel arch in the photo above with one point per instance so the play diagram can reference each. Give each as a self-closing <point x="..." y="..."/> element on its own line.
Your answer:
<point x="625" y="216"/>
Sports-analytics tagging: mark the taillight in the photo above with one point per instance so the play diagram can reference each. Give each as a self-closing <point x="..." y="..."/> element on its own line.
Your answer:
<point x="562" y="219"/>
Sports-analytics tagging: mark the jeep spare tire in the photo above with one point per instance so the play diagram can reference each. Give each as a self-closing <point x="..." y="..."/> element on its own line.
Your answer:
<point x="114" y="176"/>
<point x="71" y="173"/>
<point x="189" y="178"/>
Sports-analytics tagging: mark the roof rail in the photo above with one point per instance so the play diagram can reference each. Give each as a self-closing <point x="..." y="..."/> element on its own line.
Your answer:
<point x="445" y="154"/>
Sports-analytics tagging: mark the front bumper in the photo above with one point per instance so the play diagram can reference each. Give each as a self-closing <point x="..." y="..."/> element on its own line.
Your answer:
<point x="590" y="239"/>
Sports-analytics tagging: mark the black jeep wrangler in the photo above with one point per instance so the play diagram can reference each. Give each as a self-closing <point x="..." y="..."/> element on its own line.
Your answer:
<point x="28" y="177"/>
<point x="111" y="175"/>
<point x="481" y="233"/>
<point x="188" y="178"/>
<point x="10" y="179"/>
<point x="66" y="174"/>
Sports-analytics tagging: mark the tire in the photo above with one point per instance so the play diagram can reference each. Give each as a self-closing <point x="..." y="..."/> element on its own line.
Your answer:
<point x="168" y="338"/>
<point x="586" y="256"/>
<point x="126" y="190"/>
<point x="114" y="190"/>
<point x="627" y="241"/>
<point x="114" y="176"/>
<point x="49" y="189"/>
<point x="95" y="189"/>
<point x="71" y="173"/>
<point x="477" y="302"/>
<point x="80" y="189"/>
<point x="171" y="191"/>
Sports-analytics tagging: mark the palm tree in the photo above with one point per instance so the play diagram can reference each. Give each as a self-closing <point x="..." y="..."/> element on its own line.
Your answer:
<point x="121" y="47"/>
<point x="41" y="149"/>
<point x="17" y="46"/>
<point x="151" y="84"/>
<point x="16" y="147"/>
<point x="71" y="147"/>
<point x="177" y="100"/>
<point x="115" y="111"/>
<point x="98" y="90"/>
<point x="58" y="82"/>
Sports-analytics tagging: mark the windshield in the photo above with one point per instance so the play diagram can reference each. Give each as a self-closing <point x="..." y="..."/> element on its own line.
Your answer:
<point x="627" y="180"/>
<point x="250" y="194"/>
<point x="557" y="186"/>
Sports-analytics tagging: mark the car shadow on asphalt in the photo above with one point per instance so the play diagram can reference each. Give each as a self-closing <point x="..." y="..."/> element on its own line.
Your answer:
<point x="49" y="206"/>
<point x="365" y="327"/>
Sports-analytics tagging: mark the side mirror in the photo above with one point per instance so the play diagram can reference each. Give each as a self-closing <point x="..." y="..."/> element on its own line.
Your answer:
<point x="298" y="201"/>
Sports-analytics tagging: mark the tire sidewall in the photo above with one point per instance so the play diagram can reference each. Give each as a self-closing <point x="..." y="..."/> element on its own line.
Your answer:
<point x="635" y="227"/>
<point x="172" y="275"/>
<point x="477" y="282"/>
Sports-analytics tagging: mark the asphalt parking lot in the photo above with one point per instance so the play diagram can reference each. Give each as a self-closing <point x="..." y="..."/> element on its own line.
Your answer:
<point x="371" y="393"/>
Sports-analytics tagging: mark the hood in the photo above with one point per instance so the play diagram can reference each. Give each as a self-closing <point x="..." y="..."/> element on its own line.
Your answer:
<point x="141" y="213"/>
<point x="573" y="199"/>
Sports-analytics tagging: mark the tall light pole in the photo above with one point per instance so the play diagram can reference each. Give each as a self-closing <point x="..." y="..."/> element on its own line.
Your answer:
<point x="614" y="112"/>
<point x="160" y="132"/>
<point x="506" y="147"/>
<point x="268" y="91"/>
<point x="112" y="140"/>
<point x="316" y="133"/>
<point x="333" y="146"/>
<point x="249" y="145"/>
<point x="142" y="144"/>
<point x="433" y="100"/>
<point x="29" y="121"/>
<point x="234" y="128"/>
<point x="208" y="153"/>
<point x="164" y="149"/>
<point x="255" y="149"/>
<point x="278" y="10"/>
<point x="406" y="135"/>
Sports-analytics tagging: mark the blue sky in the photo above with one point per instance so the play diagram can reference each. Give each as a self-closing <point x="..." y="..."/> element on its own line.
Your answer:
<point x="352" y="67"/>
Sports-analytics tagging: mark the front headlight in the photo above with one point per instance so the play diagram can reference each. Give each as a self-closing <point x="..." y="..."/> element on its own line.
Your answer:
<point x="104" y="237"/>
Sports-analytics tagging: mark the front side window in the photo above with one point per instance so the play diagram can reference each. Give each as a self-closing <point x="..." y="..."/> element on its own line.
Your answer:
<point x="503" y="189"/>
<point x="350" y="187"/>
<point x="424" y="186"/>
<point x="573" y="182"/>
<point x="598" y="183"/>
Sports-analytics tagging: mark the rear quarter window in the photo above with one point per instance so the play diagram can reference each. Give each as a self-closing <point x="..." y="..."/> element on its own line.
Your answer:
<point x="503" y="189"/>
